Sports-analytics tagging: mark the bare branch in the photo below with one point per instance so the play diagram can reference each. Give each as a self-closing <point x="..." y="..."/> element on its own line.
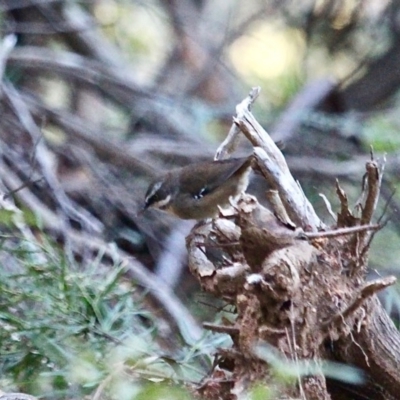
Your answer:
<point x="311" y="96"/>
<point x="229" y="145"/>
<point x="275" y="169"/>
<point x="341" y="232"/>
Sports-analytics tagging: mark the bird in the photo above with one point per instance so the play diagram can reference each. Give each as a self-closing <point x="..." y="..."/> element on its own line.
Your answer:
<point x="196" y="190"/>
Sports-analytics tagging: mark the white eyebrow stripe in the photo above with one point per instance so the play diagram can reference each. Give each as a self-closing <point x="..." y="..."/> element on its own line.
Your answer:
<point x="155" y="189"/>
<point x="162" y="203"/>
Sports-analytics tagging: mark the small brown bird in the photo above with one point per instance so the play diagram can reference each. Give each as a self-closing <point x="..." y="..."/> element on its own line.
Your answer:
<point x="196" y="190"/>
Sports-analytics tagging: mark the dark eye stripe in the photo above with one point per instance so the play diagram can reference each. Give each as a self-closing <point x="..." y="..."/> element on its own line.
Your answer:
<point x="151" y="199"/>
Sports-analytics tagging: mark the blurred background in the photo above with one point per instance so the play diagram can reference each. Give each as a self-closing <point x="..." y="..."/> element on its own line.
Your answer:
<point x="99" y="96"/>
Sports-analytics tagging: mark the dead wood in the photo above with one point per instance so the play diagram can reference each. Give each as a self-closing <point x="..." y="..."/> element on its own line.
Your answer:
<point x="302" y="294"/>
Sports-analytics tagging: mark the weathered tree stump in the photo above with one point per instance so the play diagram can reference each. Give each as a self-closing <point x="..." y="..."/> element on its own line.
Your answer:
<point x="298" y="288"/>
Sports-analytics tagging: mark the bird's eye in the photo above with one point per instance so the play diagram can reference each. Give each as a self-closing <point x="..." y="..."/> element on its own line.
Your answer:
<point x="202" y="193"/>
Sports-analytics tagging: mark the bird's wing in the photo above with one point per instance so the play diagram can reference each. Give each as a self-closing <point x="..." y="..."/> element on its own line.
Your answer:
<point x="203" y="180"/>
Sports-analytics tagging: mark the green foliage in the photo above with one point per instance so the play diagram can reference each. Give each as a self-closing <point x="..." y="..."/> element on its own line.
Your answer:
<point x="288" y="371"/>
<point x="261" y="392"/>
<point x="381" y="132"/>
<point x="162" y="393"/>
<point x="69" y="329"/>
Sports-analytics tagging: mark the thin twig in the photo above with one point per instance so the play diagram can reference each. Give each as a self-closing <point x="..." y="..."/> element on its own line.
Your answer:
<point x="231" y="330"/>
<point x="328" y="206"/>
<point x="24" y="185"/>
<point x="386" y="206"/>
<point x="341" y="231"/>
<point x="374" y="178"/>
